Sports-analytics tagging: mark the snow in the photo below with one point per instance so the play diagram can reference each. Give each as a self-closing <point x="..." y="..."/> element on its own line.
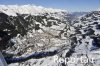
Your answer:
<point x="45" y="38"/>
<point x="27" y="9"/>
<point x="60" y="27"/>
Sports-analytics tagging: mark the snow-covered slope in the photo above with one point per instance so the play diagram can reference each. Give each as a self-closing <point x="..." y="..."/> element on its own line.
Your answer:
<point x="26" y="9"/>
<point x="87" y="47"/>
<point x="37" y="29"/>
<point x="33" y="29"/>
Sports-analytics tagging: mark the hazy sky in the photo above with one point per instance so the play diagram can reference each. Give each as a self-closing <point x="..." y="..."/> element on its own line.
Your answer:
<point x="70" y="5"/>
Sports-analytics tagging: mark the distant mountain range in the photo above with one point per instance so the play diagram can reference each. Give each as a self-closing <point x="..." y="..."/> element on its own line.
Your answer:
<point x="27" y="9"/>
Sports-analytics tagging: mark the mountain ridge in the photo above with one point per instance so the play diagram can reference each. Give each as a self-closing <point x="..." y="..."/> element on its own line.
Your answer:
<point x="27" y="9"/>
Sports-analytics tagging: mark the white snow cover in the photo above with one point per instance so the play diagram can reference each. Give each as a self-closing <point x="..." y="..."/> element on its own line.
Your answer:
<point x="27" y="9"/>
<point x="43" y="40"/>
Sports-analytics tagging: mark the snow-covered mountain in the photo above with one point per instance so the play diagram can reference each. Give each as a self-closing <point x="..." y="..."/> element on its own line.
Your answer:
<point x="46" y="33"/>
<point x="31" y="27"/>
<point x="77" y="14"/>
<point x="24" y="17"/>
<point x="27" y="9"/>
<point x="88" y="31"/>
